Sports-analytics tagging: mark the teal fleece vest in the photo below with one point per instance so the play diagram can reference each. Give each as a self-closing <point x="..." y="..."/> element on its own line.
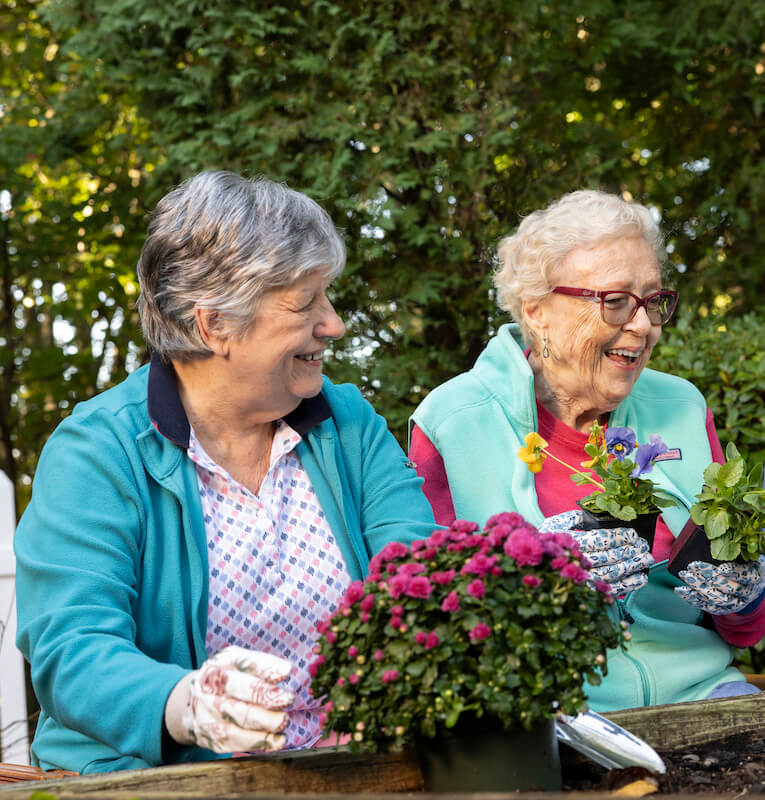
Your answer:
<point x="478" y="421"/>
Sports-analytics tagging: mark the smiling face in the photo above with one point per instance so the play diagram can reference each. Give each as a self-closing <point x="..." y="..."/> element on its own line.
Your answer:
<point x="592" y="366"/>
<point x="278" y="362"/>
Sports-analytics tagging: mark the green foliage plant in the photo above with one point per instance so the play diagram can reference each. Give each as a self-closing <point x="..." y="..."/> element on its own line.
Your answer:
<point x="731" y="508"/>
<point x="723" y="355"/>
<point x="503" y="621"/>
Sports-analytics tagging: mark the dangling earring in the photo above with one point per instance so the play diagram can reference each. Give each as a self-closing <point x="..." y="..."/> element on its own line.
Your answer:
<point x="545" y="351"/>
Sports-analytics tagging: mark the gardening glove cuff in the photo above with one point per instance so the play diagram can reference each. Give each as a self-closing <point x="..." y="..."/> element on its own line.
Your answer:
<point x="722" y="589"/>
<point x="233" y="702"/>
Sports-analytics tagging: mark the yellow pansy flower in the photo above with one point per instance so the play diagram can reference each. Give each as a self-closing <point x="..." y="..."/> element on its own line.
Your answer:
<point x="533" y="454"/>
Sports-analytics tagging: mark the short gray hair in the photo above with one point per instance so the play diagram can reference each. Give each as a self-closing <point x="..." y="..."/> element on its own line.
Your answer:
<point x="529" y="258"/>
<point x="220" y="241"/>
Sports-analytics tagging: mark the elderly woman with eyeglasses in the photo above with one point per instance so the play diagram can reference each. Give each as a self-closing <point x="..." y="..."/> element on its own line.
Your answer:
<point x="191" y="526"/>
<point x="583" y="278"/>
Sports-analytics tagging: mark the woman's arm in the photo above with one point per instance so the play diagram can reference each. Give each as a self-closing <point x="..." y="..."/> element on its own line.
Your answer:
<point x="430" y="466"/>
<point x="80" y="555"/>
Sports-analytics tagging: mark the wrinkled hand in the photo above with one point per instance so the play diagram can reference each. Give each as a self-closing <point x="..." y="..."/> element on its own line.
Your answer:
<point x="231" y="703"/>
<point x="617" y="556"/>
<point x="722" y="589"/>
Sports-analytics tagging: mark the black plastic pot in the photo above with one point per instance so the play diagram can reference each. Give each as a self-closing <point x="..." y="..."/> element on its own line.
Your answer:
<point x="644" y="524"/>
<point x="692" y="544"/>
<point x="479" y="755"/>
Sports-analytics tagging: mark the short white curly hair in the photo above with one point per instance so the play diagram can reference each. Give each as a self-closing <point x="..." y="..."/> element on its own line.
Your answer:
<point x="529" y="257"/>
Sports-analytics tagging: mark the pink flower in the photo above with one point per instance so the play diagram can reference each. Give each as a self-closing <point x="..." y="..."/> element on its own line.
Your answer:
<point x="353" y="651"/>
<point x="315" y="664"/>
<point x="559" y="562"/>
<point x="353" y="678"/>
<point x="427" y="553"/>
<point x="585" y="562"/>
<point x="367" y="604"/>
<point x="419" y="587"/>
<point x="395" y="622"/>
<point x="411" y="569"/>
<point x="417" y="545"/>
<point x="550" y="545"/>
<point x="379" y="655"/>
<point x="479" y="564"/>
<point x="322" y="719"/>
<point x="329" y="706"/>
<point x="330" y="637"/>
<point x="393" y="551"/>
<point x="364" y="616"/>
<point x="354" y="593"/>
<point x="420" y="637"/>
<point x="575" y="573"/>
<point x="497" y="535"/>
<point x="455" y="547"/>
<point x="524" y="547"/>
<point x="464" y="526"/>
<point x="603" y="587"/>
<point x="397" y="611"/>
<point x="476" y="540"/>
<point x="322" y="626"/>
<point x="451" y="602"/>
<point x="341" y="682"/>
<point x="431" y="640"/>
<point x="510" y="518"/>
<point x="390" y="675"/>
<point x="443" y="577"/>
<point x="398" y="585"/>
<point x="438" y="538"/>
<point x="476" y="589"/>
<point x="480" y="632"/>
<point x="564" y="539"/>
<point x="532" y="581"/>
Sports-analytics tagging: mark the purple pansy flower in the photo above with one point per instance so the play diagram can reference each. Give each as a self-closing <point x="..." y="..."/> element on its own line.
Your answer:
<point x="646" y="453"/>
<point x="620" y="442"/>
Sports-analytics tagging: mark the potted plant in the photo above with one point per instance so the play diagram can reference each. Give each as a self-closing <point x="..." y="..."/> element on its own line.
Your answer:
<point x="622" y="495"/>
<point x="460" y="641"/>
<point x="728" y="517"/>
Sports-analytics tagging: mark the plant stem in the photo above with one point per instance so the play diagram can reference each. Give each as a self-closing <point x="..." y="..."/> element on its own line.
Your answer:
<point x="576" y="471"/>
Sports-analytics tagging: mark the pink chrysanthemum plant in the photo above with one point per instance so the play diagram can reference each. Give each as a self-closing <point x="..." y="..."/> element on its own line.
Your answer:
<point x="619" y="464"/>
<point x="505" y="621"/>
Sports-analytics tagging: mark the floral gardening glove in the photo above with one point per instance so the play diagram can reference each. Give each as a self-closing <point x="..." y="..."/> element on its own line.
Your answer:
<point x="722" y="589"/>
<point x="617" y="556"/>
<point x="231" y="703"/>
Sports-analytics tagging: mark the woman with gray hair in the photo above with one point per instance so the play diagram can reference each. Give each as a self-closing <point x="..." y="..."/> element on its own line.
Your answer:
<point x="583" y="280"/>
<point x="191" y="526"/>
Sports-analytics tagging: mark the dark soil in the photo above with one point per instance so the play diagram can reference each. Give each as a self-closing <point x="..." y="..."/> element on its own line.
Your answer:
<point x="731" y="768"/>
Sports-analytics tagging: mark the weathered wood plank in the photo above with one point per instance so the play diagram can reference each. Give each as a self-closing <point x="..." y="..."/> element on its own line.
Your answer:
<point x="683" y="725"/>
<point x="314" y="771"/>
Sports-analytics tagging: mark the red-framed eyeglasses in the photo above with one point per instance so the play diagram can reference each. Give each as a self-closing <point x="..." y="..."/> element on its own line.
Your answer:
<point x="618" y="308"/>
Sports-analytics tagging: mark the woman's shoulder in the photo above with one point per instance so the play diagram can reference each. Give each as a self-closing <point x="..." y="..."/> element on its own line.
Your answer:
<point x="665" y="387"/>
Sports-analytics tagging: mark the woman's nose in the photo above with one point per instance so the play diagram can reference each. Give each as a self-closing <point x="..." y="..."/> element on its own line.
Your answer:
<point x="640" y="322"/>
<point x="330" y="326"/>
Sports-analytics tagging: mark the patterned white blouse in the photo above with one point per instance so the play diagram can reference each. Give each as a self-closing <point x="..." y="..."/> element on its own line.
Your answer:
<point x="275" y="568"/>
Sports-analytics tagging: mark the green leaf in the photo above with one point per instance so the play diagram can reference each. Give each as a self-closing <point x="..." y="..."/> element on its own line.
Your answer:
<point x="731" y="472"/>
<point x="716" y="523"/>
<point x="724" y="549"/>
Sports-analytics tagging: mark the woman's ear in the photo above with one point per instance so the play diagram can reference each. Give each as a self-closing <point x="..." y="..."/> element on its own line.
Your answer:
<point x="212" y="331"/>
<point x="535" y="315"/>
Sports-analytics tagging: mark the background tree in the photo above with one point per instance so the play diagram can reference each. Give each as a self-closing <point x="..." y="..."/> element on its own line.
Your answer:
<point x="426" y="129"/>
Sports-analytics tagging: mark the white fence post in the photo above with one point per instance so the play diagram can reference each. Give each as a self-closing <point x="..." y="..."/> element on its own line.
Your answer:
<point x="14" y="739"/>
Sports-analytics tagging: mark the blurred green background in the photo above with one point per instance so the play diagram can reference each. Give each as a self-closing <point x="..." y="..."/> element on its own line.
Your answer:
<point x="426" y="129"/>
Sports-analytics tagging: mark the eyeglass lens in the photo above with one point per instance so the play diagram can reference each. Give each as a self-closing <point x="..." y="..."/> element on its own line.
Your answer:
<point x="619" y="307"/>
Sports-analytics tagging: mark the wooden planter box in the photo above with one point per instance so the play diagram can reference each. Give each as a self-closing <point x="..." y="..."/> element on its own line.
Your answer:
<point x="336" y="772"/>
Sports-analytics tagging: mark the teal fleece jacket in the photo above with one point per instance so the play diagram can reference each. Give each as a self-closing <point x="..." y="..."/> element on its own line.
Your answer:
<point x="478" y="421"/>
<point x="112" y="573"/>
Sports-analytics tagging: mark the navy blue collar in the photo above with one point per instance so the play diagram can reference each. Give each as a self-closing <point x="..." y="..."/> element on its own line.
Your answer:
<point x="168" y="415"/>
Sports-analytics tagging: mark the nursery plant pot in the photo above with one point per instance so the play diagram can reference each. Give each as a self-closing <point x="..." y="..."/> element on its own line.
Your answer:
<point x="644" y="524"/>
<point x="479" y="755"/>
<point x="691" y="544"/>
